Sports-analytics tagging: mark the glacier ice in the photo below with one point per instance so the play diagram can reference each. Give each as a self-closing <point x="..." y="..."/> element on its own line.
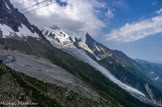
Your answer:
<point x="82" y="55"/>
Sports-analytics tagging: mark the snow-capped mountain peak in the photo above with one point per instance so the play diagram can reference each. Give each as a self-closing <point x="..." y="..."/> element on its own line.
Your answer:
<point x="14" y="24"/>
<point x="77" y="46"/>
<point x="67" y="38"/>
<point x="58" y="36"/>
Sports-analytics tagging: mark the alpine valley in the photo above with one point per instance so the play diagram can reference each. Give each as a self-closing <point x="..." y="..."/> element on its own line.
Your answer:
<point x="56" y="67"/>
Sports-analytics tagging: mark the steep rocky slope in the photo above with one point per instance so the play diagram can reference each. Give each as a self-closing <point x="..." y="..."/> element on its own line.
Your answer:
<point x="121" y="66"/>
<point x="44" y="70"/>
<point x="152" y="70"/>
<point x="17" y="89"/>
<point x="27" y="39"/>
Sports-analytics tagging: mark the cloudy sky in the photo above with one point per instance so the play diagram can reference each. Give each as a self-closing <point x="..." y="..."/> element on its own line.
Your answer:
<point x="132" y="26"/>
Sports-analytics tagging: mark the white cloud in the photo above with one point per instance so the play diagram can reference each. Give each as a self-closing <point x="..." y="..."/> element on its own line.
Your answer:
<point x="154" y="3"/>
<point x="159" y="11"/>
<point x="119" y="4"/>
<point x="136" y="31"/>
<point x="76" y="15"/>
<point x="109" y="13"/>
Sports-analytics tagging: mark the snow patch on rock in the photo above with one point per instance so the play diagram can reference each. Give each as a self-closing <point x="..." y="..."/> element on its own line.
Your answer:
<point x="23" y="32"/>
<point x="7" y="6"/>
<point x="156" y="78"/>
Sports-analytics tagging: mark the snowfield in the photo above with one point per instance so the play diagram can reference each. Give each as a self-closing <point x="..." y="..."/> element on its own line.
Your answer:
<point x="23" y="32"/>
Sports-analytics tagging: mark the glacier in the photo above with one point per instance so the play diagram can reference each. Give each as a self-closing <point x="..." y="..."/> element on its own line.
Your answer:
<point x="82" y="55"/>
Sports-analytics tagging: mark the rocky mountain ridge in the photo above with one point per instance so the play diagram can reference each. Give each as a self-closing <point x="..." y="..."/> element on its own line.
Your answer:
<point x="115" y="61"/>
<point x="26" y="43"/>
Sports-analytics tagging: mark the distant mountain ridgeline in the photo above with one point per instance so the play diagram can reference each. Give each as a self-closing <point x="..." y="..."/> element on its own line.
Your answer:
<point x="152" y="70"/>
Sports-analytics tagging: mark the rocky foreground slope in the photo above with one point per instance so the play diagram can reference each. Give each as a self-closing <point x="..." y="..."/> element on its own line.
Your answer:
<point x="20" y="89"/>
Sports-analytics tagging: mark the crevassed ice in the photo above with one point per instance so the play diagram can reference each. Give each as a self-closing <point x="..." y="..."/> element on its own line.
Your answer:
<point x="81" y="55"/>
<point x="84" y="57"/>
<point x="64" y="40"/>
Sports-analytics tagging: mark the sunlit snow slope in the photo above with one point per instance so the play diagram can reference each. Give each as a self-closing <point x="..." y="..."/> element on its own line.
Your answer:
<point x="23" y="32"/>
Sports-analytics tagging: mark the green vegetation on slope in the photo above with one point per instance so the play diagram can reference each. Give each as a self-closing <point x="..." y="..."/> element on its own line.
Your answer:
<point x="85" y="72"/>
<point x="130" y="75"/>
<point x="153" y="72"/>
<point x="19" y="87"/>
